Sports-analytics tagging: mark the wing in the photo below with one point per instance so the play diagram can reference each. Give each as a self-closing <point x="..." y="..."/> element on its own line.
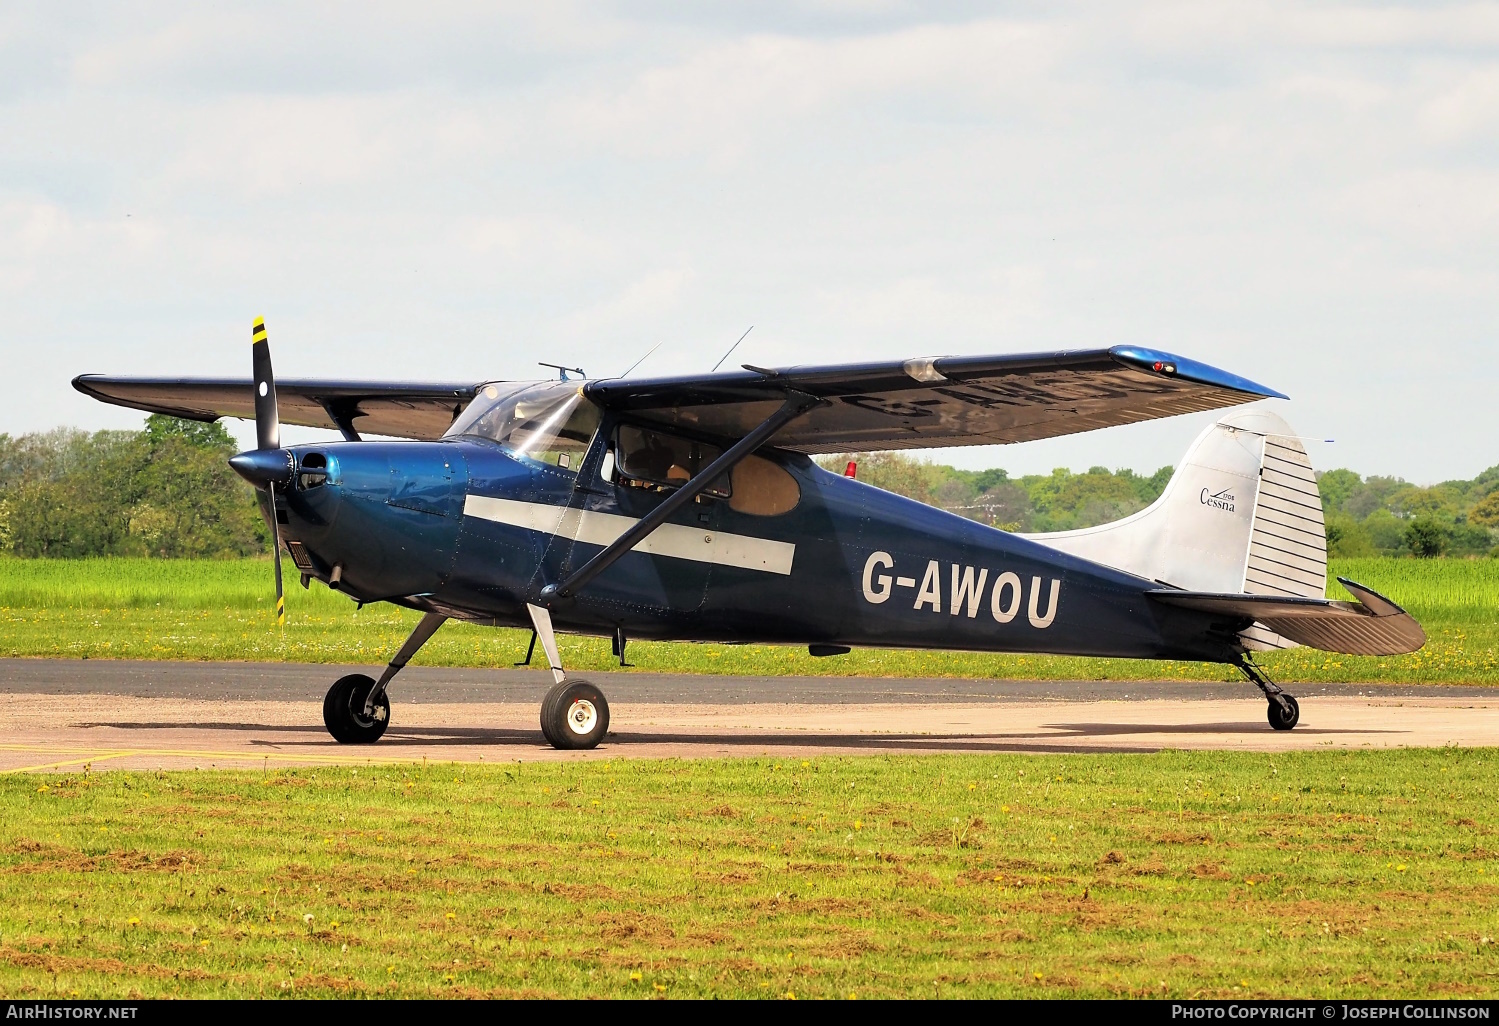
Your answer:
<point x="940" y="401"/>
<point x="399" y="409"/>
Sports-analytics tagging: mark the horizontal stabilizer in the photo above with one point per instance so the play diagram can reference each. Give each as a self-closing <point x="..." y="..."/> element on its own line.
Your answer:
<point x="1372" y="625"/>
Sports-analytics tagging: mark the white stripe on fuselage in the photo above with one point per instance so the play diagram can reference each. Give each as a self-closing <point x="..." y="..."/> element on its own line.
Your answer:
<point x="674" y="540"/>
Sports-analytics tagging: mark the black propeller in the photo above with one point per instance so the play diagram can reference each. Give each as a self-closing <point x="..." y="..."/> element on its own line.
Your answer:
<point x="267" y="465"/>
<point x="267" y="419"/>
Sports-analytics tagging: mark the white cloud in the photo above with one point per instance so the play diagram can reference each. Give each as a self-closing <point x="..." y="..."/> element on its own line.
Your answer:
<point x="1300" y="194"/>
<point x="1468" y="109"/>
<point x="1261" y="25"/>
<point x="726" y="100"/>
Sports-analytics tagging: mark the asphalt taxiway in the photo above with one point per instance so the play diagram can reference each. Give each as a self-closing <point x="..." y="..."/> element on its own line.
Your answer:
<point x="60" y="714"/>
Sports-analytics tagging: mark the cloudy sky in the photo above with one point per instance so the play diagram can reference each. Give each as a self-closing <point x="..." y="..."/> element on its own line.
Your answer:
<point x="1304" y="194"/>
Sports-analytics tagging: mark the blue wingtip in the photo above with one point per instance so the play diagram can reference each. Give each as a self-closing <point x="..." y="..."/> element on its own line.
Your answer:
<point x="1157" y="361"/>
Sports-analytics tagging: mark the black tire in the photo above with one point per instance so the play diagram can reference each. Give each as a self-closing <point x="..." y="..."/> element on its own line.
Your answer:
<point x="1284" y="718"/>
<point x="546" y="714"/>
<point x="574" y="716"/>
<point x="343" y="711"/>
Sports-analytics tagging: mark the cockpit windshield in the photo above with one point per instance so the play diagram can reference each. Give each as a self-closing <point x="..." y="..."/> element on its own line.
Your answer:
<point x="551" y="423"/>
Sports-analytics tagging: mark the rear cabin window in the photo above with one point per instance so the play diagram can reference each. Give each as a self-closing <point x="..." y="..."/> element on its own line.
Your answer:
<point x="763" y="488"/>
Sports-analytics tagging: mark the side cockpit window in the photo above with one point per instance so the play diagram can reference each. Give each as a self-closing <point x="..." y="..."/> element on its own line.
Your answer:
<point x="645" y="458"/>
<point x="550" y="424"/>
<point x="655" y="459"/>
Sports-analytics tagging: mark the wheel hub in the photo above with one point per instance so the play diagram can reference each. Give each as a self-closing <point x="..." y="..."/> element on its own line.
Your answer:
<point x="581" y="717"/>
<point x="359" y="716"/>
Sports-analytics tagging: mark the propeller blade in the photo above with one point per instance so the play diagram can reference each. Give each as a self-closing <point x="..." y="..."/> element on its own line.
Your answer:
<point x="267" y="419"/>
<point x="276" y="557"/>
<point x="267" y="437"/>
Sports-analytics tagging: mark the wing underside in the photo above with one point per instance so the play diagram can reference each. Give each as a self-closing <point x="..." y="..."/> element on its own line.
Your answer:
<point x="398" y="409"/>
<point x="925" y="403"/>
<point x="942" y="401"/>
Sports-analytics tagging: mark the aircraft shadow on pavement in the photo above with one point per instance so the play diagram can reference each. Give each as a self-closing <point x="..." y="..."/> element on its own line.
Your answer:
<point x="1054" y="738"/>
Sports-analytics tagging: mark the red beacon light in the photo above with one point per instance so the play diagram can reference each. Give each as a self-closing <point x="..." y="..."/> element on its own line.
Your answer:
<point x="852" y="470"/>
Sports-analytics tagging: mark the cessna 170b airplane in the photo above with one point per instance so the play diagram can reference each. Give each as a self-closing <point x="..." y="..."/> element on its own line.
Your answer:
<point x="687" y="508"/>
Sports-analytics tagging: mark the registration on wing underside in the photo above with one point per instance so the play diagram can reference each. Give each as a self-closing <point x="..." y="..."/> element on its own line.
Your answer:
<point x="674" y="540"/>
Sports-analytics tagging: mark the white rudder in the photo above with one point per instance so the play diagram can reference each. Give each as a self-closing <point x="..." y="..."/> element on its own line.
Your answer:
<point x="1242" y="514"/>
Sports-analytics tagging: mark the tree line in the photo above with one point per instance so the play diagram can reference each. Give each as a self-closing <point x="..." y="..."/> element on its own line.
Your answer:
<point x="1059" y="501"/>
<point x="1371" y="516"/>
<point x="167" y="491"/>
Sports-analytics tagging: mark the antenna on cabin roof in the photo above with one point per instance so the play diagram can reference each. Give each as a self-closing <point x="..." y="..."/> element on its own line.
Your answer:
<point x="733" y="347"/>
<point x="638" y="362"/>
<point x="562" y="371"/>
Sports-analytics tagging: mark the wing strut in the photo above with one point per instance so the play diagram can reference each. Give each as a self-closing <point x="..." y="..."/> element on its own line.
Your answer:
<point x="795" y="405"/>
<point x="342" y="412"/>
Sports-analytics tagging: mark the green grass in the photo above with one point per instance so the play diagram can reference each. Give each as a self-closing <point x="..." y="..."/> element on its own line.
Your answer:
<point x="1443" y="590"/>
<point x="1354" y="874"/>
<point x="163" y="609"/>
<point x="125" y="583"/>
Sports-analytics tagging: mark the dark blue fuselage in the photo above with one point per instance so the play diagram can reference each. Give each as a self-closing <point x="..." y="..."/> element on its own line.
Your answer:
<point x="465" y="527"/>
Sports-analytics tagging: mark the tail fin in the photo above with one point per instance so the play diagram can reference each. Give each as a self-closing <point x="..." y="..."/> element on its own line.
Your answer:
<point x="1241" y="515"/>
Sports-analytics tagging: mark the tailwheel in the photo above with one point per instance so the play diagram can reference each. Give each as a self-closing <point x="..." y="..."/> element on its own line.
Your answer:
<point x="1283" y="716"/>
<point x="343" y="711"/>
<point x="574" y="715"/>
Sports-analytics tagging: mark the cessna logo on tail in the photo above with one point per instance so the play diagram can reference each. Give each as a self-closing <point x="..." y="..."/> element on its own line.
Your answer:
<point x="1218" y="500"/>
<point x="965" y="592"/>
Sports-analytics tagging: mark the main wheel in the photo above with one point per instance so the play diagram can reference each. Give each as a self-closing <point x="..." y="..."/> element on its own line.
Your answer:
<point x="343" y="711"/>
<point x="1284" y="718"/>
<point x="574" y="715"/>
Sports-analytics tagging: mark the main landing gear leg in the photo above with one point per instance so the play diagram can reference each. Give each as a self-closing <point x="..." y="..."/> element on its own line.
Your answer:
<point x="356" y="709"/>
<point x="1283" y="712"/>
<point x="574" y="714"/>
